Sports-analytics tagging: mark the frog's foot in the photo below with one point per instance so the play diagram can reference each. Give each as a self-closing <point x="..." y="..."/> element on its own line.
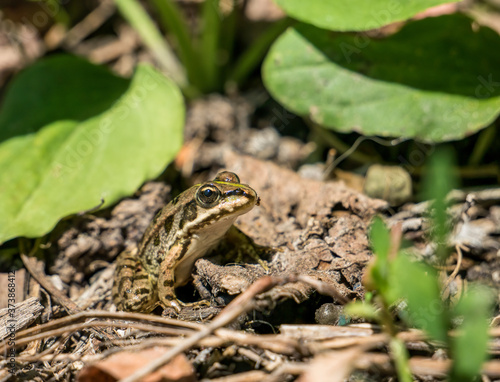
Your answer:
<point x="172" y="303"/>
<point x="177" y="305"/>
<point x="241" y="245"/>
<point x="254" y="255"/>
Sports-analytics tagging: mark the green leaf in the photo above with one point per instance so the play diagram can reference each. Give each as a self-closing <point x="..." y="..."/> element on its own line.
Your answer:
<point x="435" y="80"/>
<point x="211" y="20"/>
<point x="72" y="133"/>
<point x="418" y="284"/>
<point x="380" y="239"/>
<point x="469" y="347"/>
<point x="439" y="180"/>
<point x="354" y="15"/>
<point x="379" y="270"/>
<point x="400" y="355"/>
<point x="139" y="19"/>
<point x="362" y="309"/>
<point x="173" y="20"/>
<point x="57" y="89"/>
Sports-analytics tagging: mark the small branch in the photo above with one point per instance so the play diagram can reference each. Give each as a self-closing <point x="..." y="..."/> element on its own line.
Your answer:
<point x="60" y="322"/>
<point x="321" y="287"/>
<point x="94" y="324"/>
<point x="89" y="24"/>
<point x="35" y="268"/>
<point x="243" y="303"/>
<point x="455" y="271"/>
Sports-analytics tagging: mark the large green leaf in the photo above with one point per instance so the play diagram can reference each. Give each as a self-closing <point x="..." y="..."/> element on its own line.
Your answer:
<point x="354" y="15"/>
<point x="58" y="88"/>
<point x="435" y="80"/>
<point x="72" y="133"/>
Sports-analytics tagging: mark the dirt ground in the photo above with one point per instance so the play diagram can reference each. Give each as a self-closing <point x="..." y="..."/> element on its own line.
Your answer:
<point x="303" y="226"/>
<point x="310" y="229"/>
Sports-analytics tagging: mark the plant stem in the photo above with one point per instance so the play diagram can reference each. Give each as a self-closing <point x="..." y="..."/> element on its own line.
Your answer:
<point x="60" y="14"/>
<point x="173" y="21"/>
<point x="136" y="16"/>
<point x="484" y="141"/>
<point x="4" y="253"/>
<point x="211" y="23"/>
<point x="228" y="32"/>
<point x="255" y="53"/>
<point x="400" y="355"/>
<point x="332" y="139"/>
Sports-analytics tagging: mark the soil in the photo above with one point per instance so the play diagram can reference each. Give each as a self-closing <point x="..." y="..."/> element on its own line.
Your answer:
<point x="304" y="226"/>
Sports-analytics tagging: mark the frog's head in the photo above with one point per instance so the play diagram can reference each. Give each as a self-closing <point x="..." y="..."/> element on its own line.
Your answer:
<point x="205" y="213"/>
<point x="225" y="196"/>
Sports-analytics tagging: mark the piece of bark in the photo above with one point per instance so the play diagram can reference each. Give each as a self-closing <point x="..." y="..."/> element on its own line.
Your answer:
<point x="17" y="278"/>
<point x="18" y="316"/>
<point x="308" y="333"/>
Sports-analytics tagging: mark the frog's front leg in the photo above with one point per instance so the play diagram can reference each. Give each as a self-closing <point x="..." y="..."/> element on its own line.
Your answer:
<point x="166" y="279"/>
<point x="132" y="287"/>
<point x="236" y="244"/>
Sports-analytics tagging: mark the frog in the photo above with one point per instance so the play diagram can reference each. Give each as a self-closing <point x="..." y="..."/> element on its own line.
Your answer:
<point x="187" y="228"/>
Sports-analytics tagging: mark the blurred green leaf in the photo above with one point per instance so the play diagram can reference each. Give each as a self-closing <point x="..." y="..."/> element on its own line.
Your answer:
<point x="72" y="133"/>
<point x="172" y="18"/>
<point x="354" y="15"/>
<point x="380" y="239"/>
<point x="418" y="284"/>
<point x="400" y="355"/>
<point x="438" y="181"/>
<point x="379" y="269"/>
<point x="435" y="80"/>
<point x="139" y="19"/>
<point x="210" y="35"/>
<point x="362" y="309"/>
<point x="469" y="347"/>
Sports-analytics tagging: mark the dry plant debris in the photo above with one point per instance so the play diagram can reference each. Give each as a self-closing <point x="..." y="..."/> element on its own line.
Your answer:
<point x="24" y="314"/>
<point x="312" y="235"/>
<point x="120" y="365"/>
<point x="316" y="228"/>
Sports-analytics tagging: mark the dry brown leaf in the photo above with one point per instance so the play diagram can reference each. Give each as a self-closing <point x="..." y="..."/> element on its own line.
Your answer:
<point x="331" y="367"/>
<point x="315" y="228"/>
<point x="123" y="364"/>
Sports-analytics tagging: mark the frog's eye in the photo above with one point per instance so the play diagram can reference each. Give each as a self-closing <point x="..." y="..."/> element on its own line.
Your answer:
<point x="207" y="195"/>
<point x="227" y="176"/>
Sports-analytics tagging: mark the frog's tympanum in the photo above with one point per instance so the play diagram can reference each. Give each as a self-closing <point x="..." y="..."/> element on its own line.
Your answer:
<point x="183" y="231"/>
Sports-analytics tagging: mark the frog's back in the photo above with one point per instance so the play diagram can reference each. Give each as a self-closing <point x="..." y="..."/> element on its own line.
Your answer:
<point x="162" y="233"/>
